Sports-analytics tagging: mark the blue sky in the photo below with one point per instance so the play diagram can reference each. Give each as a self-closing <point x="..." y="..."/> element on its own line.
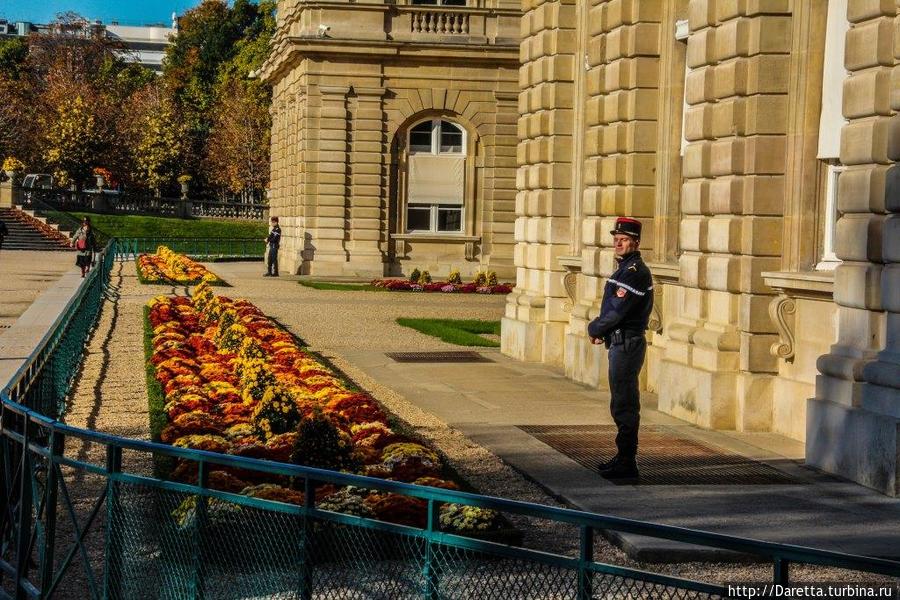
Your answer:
<point x="130" y="12"/>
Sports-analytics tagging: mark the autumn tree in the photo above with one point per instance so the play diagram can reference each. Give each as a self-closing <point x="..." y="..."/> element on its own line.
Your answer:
<point x="73" y="141"/>
<point x="238" y="149"/>
<point x="237" y="153"/>
<point x="160" y="145"/>
<point x="69" y="98"/>
<point x="213" y="45"/>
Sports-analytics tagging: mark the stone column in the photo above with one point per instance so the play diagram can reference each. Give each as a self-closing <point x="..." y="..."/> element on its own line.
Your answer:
<point x="367" y="228"/>
<point x="327" y="162"/>
<point x="853" y="423"/>
<point x="535" y="321"/>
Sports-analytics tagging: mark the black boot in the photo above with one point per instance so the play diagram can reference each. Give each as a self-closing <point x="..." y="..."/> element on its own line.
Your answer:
<point x="624" y="469"/>
<point x="609" y="464"/>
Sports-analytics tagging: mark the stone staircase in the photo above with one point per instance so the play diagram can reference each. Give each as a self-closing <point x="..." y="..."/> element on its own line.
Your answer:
<point x="28" y="232"/>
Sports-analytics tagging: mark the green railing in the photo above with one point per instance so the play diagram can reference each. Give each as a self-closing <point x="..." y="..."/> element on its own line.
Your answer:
<point x="82" y="516"/>
<point x="201" y="248"/>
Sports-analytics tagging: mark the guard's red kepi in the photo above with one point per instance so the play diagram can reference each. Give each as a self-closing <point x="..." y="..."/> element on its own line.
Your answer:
<point x="628" y="226"/>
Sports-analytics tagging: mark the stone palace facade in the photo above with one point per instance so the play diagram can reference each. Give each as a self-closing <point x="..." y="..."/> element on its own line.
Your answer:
<point x="756" y="140"/>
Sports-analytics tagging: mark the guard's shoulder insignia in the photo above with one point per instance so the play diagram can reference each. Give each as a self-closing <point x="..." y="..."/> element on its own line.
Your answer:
<point x="633" y="268"/>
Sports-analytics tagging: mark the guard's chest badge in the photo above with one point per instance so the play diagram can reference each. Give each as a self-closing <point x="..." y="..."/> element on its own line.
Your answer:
<point x="621" y="292"/>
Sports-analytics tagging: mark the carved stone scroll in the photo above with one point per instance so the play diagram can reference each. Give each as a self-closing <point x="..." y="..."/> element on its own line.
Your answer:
<point x="781" y="311"/>
<point x="570" y="283"/>
<point x="655" y="323"/>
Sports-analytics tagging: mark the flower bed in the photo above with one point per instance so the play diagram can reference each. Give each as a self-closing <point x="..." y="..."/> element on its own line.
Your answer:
<point x="167" y="266"/>
<point x="485" y="282"/>
<point x="403" y="285"/>
<point x="232" y="381"/>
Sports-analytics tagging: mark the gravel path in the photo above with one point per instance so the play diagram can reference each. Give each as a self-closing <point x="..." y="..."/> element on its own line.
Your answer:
<point x="109" y="395"/>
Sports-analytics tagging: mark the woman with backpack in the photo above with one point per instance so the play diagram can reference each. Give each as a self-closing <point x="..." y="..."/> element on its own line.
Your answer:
<point x="85" y="243"/>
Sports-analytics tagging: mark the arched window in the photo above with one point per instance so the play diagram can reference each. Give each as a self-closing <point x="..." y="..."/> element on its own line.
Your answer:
<point x="435" y="195"/>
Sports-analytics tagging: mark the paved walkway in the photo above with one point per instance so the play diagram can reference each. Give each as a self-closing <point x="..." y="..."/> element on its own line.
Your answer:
<point x="491" y="402"/>
<point x="24" y="275"/>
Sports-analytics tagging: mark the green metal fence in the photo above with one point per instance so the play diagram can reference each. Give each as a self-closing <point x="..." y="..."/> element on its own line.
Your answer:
<point x="201" y="248"/>
<point x="81" y="516"/>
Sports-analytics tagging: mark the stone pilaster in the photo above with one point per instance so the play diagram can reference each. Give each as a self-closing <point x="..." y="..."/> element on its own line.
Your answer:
<point x="620" y="144"/>
<point x="499" y="210"/>
<point x="716" y="368"/>
<point x="534" y="324"/>
<point x="365" y="228"/>
<point x="325" y="251"/>
<point x="853" y="423"/>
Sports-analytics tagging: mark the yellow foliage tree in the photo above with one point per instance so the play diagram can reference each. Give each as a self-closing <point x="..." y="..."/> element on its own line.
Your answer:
<point x="72" y="141"/>
<point x="160" y="147"/>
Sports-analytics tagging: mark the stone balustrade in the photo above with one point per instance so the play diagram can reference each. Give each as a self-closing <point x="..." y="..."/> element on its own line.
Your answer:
<point x="440" y="22"/>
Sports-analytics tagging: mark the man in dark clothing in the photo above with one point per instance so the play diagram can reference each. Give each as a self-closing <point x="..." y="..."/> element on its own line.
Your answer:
<point x="3" y="232"/>
<point x="624" y="313"/>
<point x="273" y="240"/>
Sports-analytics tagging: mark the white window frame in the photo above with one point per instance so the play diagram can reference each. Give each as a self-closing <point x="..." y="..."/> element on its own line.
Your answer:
<point x="436" y="138"/>
<point x="436" y="151"/>
<point x="829" y="259"/>
<point x="682" y="33"/>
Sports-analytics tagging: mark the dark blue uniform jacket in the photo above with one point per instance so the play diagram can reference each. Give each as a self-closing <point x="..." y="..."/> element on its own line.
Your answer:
<point x="627" y="300"/>
<point x="274" y="237"/>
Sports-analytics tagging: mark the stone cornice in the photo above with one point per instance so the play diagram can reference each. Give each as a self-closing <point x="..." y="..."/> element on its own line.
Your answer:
<point x="665" y="272"/>
<point x="817" y="285"/>
<point x="295" y="48"/>
<point x="334" y="90"/>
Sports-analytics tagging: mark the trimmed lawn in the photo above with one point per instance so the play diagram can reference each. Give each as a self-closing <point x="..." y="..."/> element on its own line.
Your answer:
<point x="138" y="226"/>
<point x="344" y="287"/>
<point x="461" y="332"/>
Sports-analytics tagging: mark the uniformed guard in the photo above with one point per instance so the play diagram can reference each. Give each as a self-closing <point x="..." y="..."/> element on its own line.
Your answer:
<point x="624" y="313"/>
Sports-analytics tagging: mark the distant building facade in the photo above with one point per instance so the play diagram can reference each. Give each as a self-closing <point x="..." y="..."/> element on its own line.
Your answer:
<point x="144" y="44"/>
<point x="394" y="135"/>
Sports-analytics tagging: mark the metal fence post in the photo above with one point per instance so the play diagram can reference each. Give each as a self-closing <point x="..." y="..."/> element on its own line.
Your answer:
<point x="202" y="517"/>
<point x="57" y="443"/>
<point x="782" y="571"/>
<point x="585" y="557"/>
<point x="431" y="568"/>
<point x="23" y="541"/>
<point x="112" y="574"/>
<point x="309" y="503"/>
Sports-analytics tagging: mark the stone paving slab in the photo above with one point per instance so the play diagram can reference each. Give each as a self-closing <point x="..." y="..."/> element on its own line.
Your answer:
<point x="488" y="401"/>
<point x="24" y="276"/>
<point x="29" y="328"/>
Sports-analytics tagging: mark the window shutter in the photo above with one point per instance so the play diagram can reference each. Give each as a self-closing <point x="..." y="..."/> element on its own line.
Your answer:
<point x="436" y="179"/>
<point x="832" y="119"/>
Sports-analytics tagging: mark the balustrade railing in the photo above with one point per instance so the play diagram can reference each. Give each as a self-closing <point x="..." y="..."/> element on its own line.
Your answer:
<point x="141" y="204"/>
<point x="440" y="22"/>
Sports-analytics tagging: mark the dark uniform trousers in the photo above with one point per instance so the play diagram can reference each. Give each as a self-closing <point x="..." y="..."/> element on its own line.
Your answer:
<point x="624" y="313"/>
<point x="625" y="361"/>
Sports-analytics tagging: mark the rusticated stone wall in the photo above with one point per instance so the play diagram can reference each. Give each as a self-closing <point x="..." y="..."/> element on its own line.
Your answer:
<point x="853" y="422"/>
